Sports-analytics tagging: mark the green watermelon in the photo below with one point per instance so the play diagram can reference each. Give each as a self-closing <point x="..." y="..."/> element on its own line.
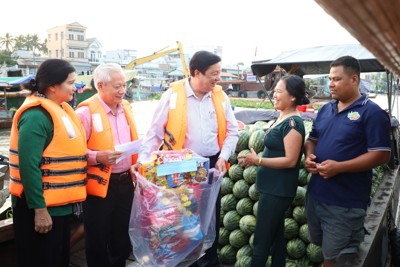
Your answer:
<point x="303" y="176"/>
<point x="251" y="241"/>
<point x="255" y="208"/>
<point x="304" y="234"/>
<point x="243" y="142"/>
<point x="250" y="174"/>
<point x="290" y="263"/>
<point x="256" y="140"/>
<point x="248" y="224"/>
<point x="231" y="220"/>
<point x="291" y="228"/>
<point x="254" y="128"/>
<point x="296" y="248"/>
<point x="233" y="158"/>
<point x="227" y="254"/>
<point x="228" y="202"/>
<point x="223" y="236"/>
<point x="240" y="189"/>
<point x="226" y="186"/>
<point x="300" y="215"/>
<point x="244" y="152"/>
<point x="254" y="194"/>
<point x="238" y="238"/>
<point x="221" y="216"/>
<point x="314" y="253"/>
<point x="246" y="250"/>
<point x="244" y="206"/>
<point x="236" y="172"/>
<point x="261" y="124"/>
<point x="300" y="197"/>
<point x="304" y="262"/>
<point x="244" y="261"/>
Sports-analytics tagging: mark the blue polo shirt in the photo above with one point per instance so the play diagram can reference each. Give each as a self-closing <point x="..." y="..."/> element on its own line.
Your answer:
<point x="340" y="136"/>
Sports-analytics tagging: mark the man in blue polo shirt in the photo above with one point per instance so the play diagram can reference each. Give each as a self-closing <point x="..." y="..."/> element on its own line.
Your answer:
<point x="350" y="136"/>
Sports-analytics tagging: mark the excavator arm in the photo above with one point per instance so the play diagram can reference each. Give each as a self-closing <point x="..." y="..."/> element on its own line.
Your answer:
<point x="159" y="54"/>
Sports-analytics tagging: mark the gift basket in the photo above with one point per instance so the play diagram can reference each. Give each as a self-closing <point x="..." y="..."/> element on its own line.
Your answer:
<point x="173" y="213"/>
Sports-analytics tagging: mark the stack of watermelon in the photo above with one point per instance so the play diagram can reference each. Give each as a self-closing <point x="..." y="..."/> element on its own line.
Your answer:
<point x="239" y="208"/>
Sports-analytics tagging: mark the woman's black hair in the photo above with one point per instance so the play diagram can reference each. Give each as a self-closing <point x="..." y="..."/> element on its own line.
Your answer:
<point x="50" y="72"/>
<point x="202" y="60"/>
<point x="296" y="87"/>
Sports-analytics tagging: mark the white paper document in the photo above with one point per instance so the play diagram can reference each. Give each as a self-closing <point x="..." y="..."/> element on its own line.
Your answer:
<point x="128" y="149"/>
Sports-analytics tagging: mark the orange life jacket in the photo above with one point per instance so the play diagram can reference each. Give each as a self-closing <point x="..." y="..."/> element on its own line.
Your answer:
<point x="64" y="161"/>
<point x="177" y="119"/>
<point x="99" y="175"/>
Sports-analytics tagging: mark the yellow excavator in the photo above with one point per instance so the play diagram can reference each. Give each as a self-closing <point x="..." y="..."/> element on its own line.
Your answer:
<point x="162" y="52"/>
<point x="130" y="73"/>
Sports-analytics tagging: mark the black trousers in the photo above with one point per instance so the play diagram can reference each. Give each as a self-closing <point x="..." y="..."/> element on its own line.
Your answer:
<point x="35" y="249"/>
<point x="106" y="223"/>
<point x="210" y="258"/>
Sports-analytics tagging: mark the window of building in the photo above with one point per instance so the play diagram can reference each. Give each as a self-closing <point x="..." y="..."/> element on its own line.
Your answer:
<point x="62" y="35"/>
<point x="81" y="55"/>
<point x="71" y="36"/>
<point x="80" y="38"/>
<point x="56" y="53"/>
<point x="56" y="36"/>
<point x="71" y="54"/>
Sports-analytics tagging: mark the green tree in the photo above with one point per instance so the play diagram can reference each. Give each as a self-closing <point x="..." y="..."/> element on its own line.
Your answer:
<point x="7" y="41"/>
<point x="43" y="47"/>
<point x="5" y="57"/>
<point x="20" y="43"/>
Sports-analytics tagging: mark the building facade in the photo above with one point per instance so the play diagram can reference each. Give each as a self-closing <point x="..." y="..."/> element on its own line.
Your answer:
<point x="69" y="42"/>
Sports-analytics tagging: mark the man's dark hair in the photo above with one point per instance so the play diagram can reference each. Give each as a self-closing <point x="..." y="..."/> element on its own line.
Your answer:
<point x="350" y="64"/>
<point x="202" y="60"/>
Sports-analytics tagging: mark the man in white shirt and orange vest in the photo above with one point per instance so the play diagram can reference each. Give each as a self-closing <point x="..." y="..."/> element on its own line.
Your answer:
<point x="108" y="121"/>
<point x="195" y="113"/>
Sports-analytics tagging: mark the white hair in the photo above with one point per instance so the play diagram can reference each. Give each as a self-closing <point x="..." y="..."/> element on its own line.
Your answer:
<point x="102" y="72"/>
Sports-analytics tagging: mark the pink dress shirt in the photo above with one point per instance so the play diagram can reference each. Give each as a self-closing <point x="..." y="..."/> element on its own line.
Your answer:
<point x="120" y="130"/>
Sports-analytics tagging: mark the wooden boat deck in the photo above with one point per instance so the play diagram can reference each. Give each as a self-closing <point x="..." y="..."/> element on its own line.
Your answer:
<point x="78" y="259"/>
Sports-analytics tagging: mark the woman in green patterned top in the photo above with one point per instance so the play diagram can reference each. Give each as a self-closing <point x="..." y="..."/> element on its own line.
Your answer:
<point x="278" y="171"/>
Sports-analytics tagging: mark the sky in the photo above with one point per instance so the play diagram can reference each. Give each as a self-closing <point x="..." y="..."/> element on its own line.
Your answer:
<point x="247" y="30"/>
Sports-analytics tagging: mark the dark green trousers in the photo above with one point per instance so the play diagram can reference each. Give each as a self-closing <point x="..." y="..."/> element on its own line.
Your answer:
<point x="269" y="236"/>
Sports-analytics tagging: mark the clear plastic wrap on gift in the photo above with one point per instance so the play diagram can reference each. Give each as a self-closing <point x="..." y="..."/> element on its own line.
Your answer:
<point x="173" y="226"/>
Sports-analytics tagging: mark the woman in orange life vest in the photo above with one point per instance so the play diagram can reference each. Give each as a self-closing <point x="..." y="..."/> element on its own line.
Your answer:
<point x="48" y="166"/>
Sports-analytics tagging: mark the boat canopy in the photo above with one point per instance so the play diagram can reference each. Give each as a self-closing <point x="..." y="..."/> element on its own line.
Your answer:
<point x="316" y="60"/>
<point x="17" y="81"/>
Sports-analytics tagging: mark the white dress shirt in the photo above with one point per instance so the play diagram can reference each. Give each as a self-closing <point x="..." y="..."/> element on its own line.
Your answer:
<point x="202" y="128"/>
